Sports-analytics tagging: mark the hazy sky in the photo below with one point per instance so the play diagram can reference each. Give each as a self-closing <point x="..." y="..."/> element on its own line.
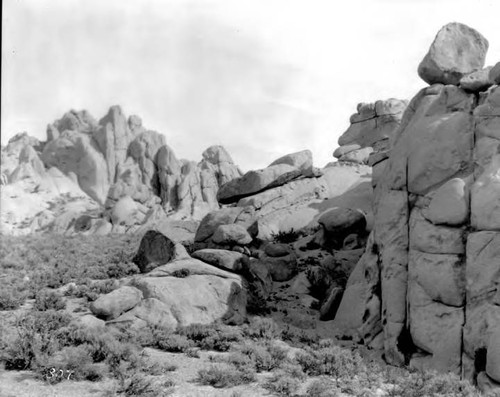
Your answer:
<point x="261" y="77"/>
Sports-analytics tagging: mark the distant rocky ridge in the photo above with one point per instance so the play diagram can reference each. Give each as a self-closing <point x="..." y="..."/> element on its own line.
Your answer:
<point x="115" y="165"/>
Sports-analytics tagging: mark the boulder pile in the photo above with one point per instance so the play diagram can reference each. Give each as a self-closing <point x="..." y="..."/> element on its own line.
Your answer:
<point x="175" y="290"/>
<point x="287" y="196"/>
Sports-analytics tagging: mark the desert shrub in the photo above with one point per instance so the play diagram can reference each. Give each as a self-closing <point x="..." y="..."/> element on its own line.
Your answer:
<point x="420" y="384"/>
<point x="193" y="352"/>
<point x="91" y="290"/>
<point x="70" y="363"/>
<point x="52" y="260"/>
<point x="238" y="360"/>
<point x="181" y="273"/>
<point x="123" y="361"/>
<point x="145" y="386"/>
<point x="121" y="269"/>
<point x="110" y="346"/>
<point x="266" y="357"/>
<point x="36" y="336"/>
<point x="283" y="384"/>
<point x="145" y="336"/>
<point x="223" y="375"/>
<point x="157" y="368"/>
<point x="262" y="328"/>
<point x="322" y="387"/>
<point x="49" y="300"/>
<point x="286" y="237"/>
<point x="10" y="298"/>
<point x="298" y="338"/>
<point x="174" y="343"/>
<point x="211" y="336"/>
<point x="330" y="360"/>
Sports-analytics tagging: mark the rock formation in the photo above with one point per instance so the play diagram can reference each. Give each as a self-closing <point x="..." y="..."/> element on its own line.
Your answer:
<point x="128" y="173"/>
<point x="181" y="292"/>
<point x="427" y="286"/>
<point x="372" y="129"/>
<point x="288" y="195"/>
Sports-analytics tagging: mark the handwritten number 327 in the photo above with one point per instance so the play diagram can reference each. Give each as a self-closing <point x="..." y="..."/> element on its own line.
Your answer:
<point x="54" y="373"/>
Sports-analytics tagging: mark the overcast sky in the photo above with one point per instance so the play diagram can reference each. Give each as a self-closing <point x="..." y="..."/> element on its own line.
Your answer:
<point x="261" y="77"/>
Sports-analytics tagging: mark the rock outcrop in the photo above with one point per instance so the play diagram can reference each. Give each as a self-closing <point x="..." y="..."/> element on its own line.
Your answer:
<point x="428" y="283"/>
<point x="291" y="201"/>
<point x="372" y="130"/>
<point x="124" y="169"/>
<point x="182" y="292"/>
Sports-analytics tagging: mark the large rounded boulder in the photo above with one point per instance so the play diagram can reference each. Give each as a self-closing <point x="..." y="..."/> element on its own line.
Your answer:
<point x="456" y="51"/>
<point x="157" y="249"/>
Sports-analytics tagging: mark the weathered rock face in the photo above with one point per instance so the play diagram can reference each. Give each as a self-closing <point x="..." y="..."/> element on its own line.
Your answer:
<point x="34" y="198"/>
<point x="429" y="279"/>
<point x="72" y="121"/>
<point x="371" y="132"/>
<point x="75" y="152"/>
<point x="456" y="51"/>
<point x="217" y="160"/>
<point x="10" y="154"/>
<point x="113" y="137"/>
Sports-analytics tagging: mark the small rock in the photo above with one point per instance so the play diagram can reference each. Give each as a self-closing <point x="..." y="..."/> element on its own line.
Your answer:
<point x="229" y="260"/>
<point x="477" y="81"/>
<point x="276" y="250"/>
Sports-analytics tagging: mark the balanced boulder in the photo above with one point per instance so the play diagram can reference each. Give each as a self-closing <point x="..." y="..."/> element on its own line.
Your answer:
<point x="456" y="51"/>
